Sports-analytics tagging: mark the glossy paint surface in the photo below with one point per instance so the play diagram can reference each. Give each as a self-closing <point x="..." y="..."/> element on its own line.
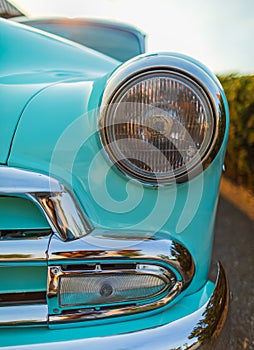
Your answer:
<point x="19" y="213"/>
<point x="53" y="129"/>
<point x="72" y="151"/>
<point x="30" y="279"/>
<point x="31" y="61"/>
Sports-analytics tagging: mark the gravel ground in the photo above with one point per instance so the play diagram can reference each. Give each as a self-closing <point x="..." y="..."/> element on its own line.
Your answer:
<point x="234" y="247"/>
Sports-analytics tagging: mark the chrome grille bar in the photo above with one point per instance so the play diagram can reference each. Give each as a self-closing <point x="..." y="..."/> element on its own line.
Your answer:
<point x="23" y="315"/>
<point x="156" y="255"/>
<point x="57" y="204"/>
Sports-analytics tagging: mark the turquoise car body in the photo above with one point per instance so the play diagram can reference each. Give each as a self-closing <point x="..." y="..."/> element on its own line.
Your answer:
<point x="51" y="94"/>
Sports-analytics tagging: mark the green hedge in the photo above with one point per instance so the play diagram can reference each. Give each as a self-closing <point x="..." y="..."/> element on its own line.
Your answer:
<point x="240" y="151"/>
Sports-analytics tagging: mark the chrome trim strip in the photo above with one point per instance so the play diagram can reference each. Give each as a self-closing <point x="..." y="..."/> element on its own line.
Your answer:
<point x="23" y="315"/>
<point x="92" y="314"/>
<point x="125" y="246"/>
<point x="103" y="246"/>
<point x="206" y="323"/>
<point x="121" y="247"/>
<point x="172" y="288"/>
<point x="23" y="250"/>
<point x="57" y="204"/>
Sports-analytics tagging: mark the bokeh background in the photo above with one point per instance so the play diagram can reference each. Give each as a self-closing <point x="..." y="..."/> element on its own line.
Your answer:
<point x="218" y="33"/>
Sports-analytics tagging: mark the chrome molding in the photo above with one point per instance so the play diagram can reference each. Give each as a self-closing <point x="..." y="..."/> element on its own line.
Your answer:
<point x="57" y="204"/>
<point x="171" y="290"/>
<point x="198" y="330"/>
<point x="23" y="250"/>
<point x="93" y="314"/>
<point x="102" y="247"/>
<point x="179" y="65"/>
<point x="23" y="315"/>
<point x="125" y="246"/>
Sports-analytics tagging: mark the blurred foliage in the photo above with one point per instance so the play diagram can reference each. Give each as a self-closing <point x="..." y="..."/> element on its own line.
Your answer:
<point x="240" y="150"/>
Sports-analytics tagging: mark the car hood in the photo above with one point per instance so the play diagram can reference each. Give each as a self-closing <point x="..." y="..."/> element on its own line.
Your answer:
<point x="32" y="60"/>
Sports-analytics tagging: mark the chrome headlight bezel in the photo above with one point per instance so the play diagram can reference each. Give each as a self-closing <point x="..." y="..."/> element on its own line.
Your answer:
<point x="177" y="67"/>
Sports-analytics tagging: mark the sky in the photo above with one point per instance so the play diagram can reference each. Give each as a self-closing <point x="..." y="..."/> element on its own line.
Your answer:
<point x="219" y="33"/>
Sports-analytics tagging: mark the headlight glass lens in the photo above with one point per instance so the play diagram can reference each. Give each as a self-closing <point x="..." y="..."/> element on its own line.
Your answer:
<point x="158" y="126"/>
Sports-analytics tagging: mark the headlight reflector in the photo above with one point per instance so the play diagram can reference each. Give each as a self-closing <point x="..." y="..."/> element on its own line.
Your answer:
<point x="158" y="126"/>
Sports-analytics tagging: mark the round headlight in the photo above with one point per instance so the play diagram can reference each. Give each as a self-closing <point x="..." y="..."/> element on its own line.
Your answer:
<point x="158" y="126"/>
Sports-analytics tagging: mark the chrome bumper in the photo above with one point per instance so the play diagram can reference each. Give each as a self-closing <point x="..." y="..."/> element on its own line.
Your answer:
<point x="199" y="330"/>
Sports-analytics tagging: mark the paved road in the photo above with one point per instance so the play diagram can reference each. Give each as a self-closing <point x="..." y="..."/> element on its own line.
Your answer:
<point x="234" y="246"/>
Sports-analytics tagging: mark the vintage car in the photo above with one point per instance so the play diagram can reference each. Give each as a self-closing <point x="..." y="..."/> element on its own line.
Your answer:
<point x="109" y="182"/>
